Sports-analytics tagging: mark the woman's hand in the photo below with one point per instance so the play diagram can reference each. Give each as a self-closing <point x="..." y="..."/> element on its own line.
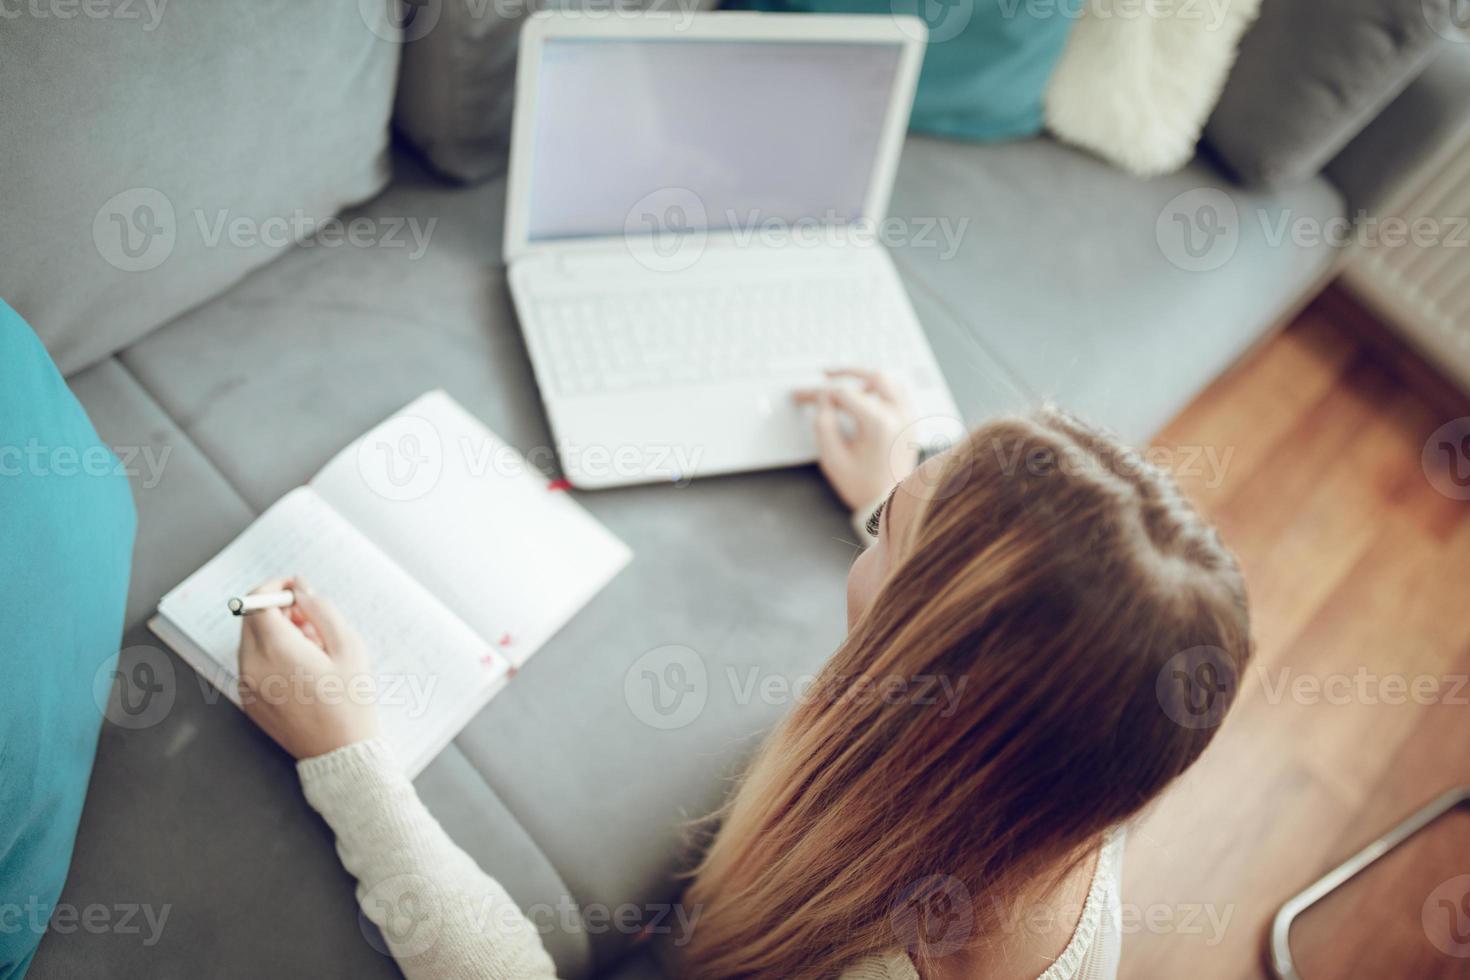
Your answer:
<point x="304" y="675"/>
<point x="865" y="458"/>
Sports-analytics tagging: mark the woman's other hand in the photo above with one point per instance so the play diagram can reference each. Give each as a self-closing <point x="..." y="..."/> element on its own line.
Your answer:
<point x="863" y="448"/>
<point x="304" y="675"/>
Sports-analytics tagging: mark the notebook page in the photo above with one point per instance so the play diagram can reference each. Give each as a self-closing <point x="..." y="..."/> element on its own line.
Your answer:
<point x="433" y="671"/>
<point x="463" y="513"/>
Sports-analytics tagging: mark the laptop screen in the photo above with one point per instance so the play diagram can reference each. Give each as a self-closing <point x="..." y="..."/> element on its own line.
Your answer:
<point x="723" y="135"/>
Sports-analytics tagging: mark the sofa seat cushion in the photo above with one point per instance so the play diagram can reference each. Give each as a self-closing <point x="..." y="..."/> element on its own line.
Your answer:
<point x="220" y="848"/>
<point x="195" y="822"/>
<point x="1116" y="297"/>
<point x="745" y="572"/>
<point x="186" y="510"/>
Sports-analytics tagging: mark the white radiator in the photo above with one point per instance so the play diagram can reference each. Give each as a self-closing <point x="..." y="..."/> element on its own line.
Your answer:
<point x="1420" y="281"/>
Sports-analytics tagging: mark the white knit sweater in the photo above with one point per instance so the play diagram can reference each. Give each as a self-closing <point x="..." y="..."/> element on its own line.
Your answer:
<point x="445" y="919"/>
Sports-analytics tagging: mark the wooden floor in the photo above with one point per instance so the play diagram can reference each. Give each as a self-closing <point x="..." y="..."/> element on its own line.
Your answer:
<point x="1359" y="572"/>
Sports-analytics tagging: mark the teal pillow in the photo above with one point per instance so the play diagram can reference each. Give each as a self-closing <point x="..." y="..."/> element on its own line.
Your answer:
<point x="986" y="66"/>
<point x="66" y="542"/>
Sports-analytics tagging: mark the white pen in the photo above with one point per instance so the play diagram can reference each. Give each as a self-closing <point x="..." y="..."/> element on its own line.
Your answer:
<point x="244" y="605"/>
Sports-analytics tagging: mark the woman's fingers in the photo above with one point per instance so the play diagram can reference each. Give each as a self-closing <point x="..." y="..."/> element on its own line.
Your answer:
<point x="311" y="617"/>
<point x="331" y="627"/>
<point x="264" y="626"/>
<point x="306" y="626"/>
<point x="271" y="643"/>
<point x="876" y="382"/>
<point x="827" y="427"/>
<point x="862" y="407"/>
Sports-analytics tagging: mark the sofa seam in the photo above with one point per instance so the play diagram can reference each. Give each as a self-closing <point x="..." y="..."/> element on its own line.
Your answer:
<point x="593" y="967"/>
<point x="916" y="281"/>
<point x="183" y="432"/>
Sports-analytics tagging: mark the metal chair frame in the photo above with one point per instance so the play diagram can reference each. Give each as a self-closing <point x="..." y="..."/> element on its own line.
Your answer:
<point x="1282" y="966"/>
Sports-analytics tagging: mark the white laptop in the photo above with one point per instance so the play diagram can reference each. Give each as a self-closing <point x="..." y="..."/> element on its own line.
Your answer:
<point x="692" y="229"/>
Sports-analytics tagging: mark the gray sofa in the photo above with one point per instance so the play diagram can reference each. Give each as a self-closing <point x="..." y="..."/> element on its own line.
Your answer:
<point x="241" y="370"/>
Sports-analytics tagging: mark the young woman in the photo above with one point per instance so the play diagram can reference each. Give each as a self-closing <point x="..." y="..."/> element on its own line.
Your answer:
<point x="1067" y="593"/>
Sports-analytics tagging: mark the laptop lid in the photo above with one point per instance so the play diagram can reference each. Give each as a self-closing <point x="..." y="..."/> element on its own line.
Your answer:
<point x="634" y="124"/>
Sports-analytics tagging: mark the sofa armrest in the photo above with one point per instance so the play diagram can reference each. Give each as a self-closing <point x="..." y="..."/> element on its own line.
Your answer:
<point x="1430" y="117"/>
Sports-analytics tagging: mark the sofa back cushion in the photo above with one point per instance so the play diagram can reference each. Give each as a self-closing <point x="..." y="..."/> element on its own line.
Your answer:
<point x="1310" y="76"/>
<point x="456" y="89"/>
<point x="66" y="540"/>
<point x="986" y="65"/>
<point x="154" y="153"/>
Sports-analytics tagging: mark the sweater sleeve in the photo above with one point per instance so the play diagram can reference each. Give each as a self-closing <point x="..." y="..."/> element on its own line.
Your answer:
<point x="440" y="915"/>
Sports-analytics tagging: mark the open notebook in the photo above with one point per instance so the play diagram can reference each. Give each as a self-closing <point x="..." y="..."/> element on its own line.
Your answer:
<point x="454" y="558"/>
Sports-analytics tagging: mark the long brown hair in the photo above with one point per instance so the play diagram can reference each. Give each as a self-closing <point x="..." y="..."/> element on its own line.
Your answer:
<point x="1070" y="596"/>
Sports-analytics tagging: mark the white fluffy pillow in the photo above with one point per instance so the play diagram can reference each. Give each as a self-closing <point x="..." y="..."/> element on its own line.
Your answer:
<point x="1138" y="78"/>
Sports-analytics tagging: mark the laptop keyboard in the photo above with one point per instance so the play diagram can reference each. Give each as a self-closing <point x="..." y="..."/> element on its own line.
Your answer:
<point x="624" y="340"/>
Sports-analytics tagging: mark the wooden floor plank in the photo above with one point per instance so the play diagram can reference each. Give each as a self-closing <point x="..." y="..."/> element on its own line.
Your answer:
<point x="1359" y="571"/>
<point x="1263" y="397"/>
